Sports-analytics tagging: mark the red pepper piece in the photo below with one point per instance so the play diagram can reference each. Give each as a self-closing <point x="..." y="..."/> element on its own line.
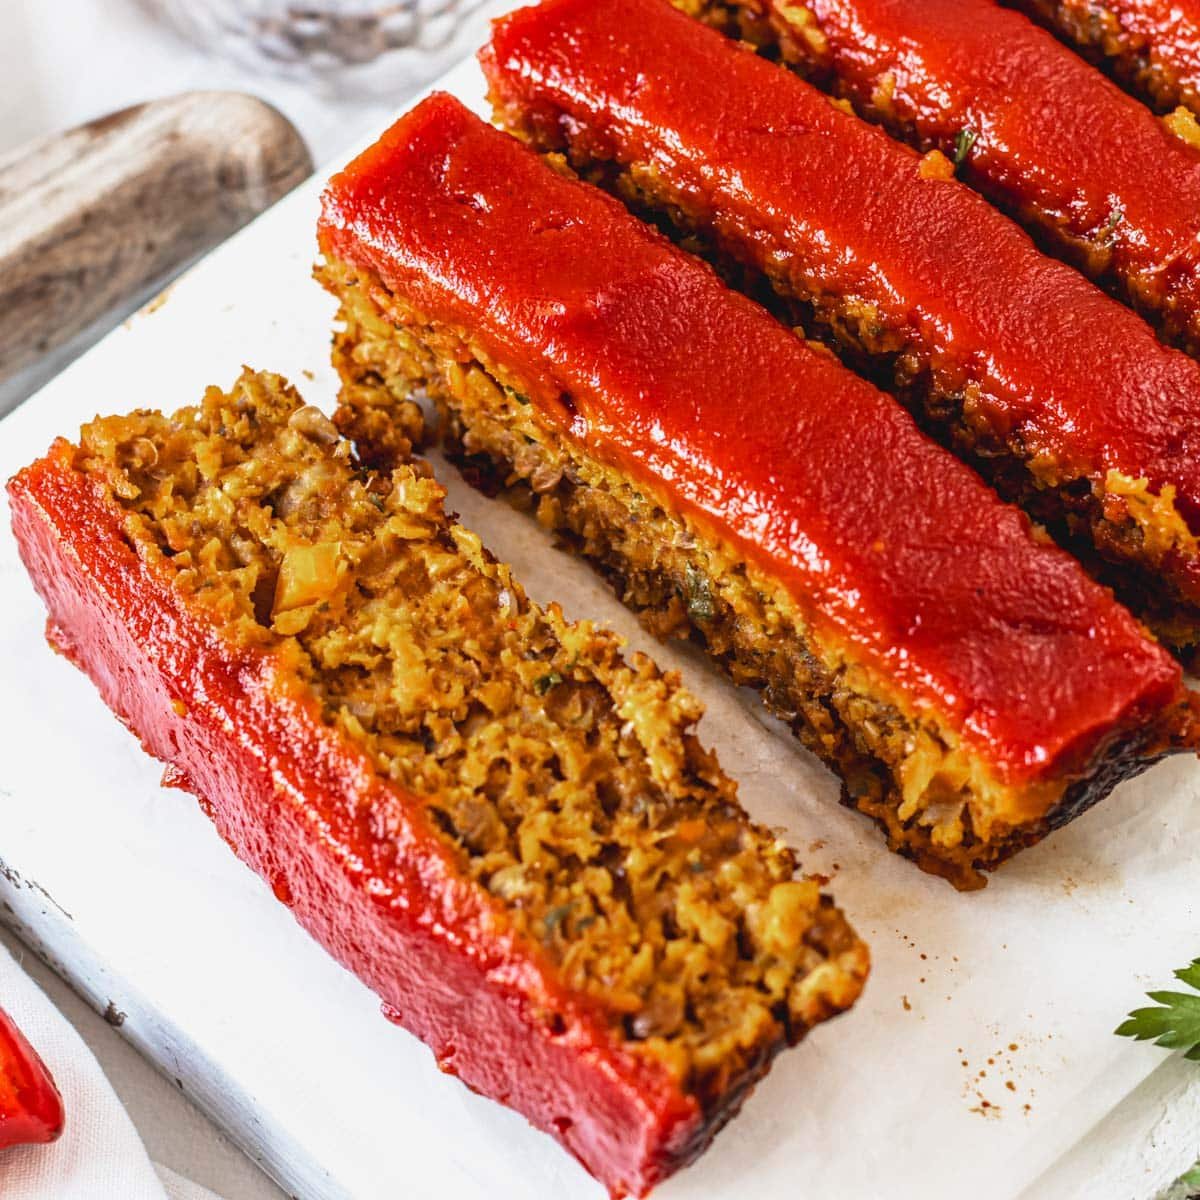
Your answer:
<point x="31" y="1107"/>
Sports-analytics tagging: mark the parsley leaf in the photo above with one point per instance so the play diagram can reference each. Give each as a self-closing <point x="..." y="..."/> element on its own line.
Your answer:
<point x="964" y="139"/>
<point x="1174" y="1022"/>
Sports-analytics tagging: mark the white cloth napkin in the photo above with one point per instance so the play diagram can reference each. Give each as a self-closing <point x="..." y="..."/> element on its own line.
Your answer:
<point x="179" y="1188"/>
<point x="99" y="1156"/>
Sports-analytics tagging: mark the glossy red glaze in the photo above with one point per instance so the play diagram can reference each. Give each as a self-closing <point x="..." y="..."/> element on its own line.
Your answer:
<point x="640" y="352"/>
<point x="1057" y="141"/>
<point x="31" y="1108"/>
<point x="786" y="177"/>
<point x="350" y="853"/>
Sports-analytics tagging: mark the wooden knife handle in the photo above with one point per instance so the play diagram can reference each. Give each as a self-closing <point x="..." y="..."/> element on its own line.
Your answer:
<point x="90" y="218"/>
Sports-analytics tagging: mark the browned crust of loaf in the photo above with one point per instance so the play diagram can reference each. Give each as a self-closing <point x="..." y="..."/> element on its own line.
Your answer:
<point x="1078" y="511"/>
<point x="645" y="556"/>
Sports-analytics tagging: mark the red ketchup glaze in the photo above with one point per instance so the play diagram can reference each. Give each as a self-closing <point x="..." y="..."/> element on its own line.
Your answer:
<point x="1055" y="138"/>
<point x="31" y="1108"/>
<point x="886" y="541"/>
<point x="351" y="854"/>
<point x="1081" y="378"/>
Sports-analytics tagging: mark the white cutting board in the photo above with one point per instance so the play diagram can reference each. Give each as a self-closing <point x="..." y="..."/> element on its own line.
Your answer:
<point x="979" y="1056"/>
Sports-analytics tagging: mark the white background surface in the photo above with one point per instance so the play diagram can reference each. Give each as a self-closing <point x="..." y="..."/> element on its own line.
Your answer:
<point x="886" y="1102"/>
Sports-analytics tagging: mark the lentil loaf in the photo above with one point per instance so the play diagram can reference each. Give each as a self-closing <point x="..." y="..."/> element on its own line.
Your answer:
<point x="498" y="823"/>
<point x="1065" y="400"/>
<point x="967" y="681"/>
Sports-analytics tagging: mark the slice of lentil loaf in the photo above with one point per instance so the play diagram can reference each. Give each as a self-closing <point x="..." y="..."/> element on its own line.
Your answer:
<point x="970" y="685"/>
<point x="500" y="825"/>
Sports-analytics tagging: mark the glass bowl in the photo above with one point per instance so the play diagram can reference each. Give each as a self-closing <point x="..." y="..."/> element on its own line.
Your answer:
<point x="356" y="45"/>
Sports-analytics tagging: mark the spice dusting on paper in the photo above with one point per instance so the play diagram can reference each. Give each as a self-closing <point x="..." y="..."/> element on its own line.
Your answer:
<point x="996" y="1080"/>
